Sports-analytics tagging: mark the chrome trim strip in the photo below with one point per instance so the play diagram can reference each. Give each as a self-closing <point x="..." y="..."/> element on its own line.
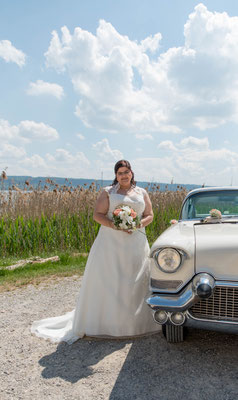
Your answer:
<point x="226" y="284"/>
<point x="215" y="321"/>
<point x="219" y="326"/>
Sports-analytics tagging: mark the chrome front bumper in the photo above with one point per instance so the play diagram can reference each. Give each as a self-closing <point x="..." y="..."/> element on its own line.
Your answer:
<point x="215" y="325"/>
<point x="173" y="302"/>
<point x="209" y="317"/>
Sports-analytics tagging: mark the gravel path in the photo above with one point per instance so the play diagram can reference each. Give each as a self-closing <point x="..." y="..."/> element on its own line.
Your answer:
<point x="205" y="366"/>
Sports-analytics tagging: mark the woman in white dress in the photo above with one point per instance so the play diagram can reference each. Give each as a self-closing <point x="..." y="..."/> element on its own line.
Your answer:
<point x="111" y="302"/>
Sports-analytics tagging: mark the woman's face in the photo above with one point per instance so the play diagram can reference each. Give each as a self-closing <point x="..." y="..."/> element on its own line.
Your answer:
<point x="124" y="176"/>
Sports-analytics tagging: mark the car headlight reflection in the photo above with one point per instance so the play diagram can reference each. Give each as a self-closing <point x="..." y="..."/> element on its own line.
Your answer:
<point x="168" y="259"/>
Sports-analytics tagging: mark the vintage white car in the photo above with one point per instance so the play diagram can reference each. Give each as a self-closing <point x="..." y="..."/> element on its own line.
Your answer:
<point x="194" y="266"/>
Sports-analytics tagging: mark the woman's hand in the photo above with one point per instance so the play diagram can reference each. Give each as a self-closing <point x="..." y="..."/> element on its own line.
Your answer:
<point x="112" y="225"/>
<point x="127" y="231"/>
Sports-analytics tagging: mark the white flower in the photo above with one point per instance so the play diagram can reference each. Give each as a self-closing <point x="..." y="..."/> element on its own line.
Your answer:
<point x="127" y="209"/>
<point x="214" y="213"/>
<point x="123" y="217"/>
<point x="123" y="225"/>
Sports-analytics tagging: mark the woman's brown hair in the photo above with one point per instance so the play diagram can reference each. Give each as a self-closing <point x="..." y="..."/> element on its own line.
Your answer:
<point x="123" y="163"/>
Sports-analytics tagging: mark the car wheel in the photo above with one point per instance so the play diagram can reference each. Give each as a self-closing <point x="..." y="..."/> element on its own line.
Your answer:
<point x="173" y="334"/>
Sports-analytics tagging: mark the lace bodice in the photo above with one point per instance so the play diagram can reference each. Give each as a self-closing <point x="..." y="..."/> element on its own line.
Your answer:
<point x="135" y="199"/>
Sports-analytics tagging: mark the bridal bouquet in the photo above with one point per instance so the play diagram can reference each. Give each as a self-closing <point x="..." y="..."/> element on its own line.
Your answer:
<point x="124" y="217"/>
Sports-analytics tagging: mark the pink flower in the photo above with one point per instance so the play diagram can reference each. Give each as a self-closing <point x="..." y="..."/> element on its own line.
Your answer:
<point x="117" y="211"/>
<point x="173" y="221"/>
<point x="133" y="213"/>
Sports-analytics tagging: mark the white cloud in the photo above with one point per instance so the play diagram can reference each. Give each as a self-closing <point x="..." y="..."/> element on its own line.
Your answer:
<point x="59" y="163"/>
<point x="194" y="159"/>
<point x="143" y="136"/>
<point x="45" y="88"/>
<point x="35" y="163"/>
<point x="37" y="130"/>
<point x="13" y="151"/>
<point x="66" y="164"/>
<point x="64" y="156"/>
<point x="195" y="85"/>
<point x="10" y="54"/>
<point x="26" y="131"/>
<point x="190" y="160"/>
<point x="195" y="143"/>
<point x="80" y="136"/>
<point x="7" y="131"/>
<point x="9" y="151"/>
<point x="105" y="152"/>
<point x="167" y="145"/>
<point x="153" y="169"/>
<point x="151" y="43"/>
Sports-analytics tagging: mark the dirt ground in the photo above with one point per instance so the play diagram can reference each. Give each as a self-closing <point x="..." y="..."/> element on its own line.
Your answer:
<point x="205" y="366"/>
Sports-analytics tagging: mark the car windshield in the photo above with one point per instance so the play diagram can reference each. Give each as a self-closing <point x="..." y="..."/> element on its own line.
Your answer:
<point x="198" y="205"/>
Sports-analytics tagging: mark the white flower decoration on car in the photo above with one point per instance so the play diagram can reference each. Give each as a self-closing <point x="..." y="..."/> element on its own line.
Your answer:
<point x="215" y="216"/>
<point x="214" y="213"/>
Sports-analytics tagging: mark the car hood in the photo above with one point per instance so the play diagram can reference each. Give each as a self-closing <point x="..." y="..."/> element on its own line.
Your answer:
<point x="217" y="250"/>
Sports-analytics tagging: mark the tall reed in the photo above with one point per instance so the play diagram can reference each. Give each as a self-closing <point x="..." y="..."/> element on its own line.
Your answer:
<point x="59" y="218"/>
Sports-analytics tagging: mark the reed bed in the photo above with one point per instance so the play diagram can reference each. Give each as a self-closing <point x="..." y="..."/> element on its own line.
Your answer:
<point x="60" y="218"/>
<point x="166" y="206"/>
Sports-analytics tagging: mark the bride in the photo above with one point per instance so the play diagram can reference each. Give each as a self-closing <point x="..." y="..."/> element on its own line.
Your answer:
<point x="111" y="302"/>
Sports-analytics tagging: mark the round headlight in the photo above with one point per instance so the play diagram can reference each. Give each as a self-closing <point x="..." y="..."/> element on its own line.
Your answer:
<point x="168" y="259"/>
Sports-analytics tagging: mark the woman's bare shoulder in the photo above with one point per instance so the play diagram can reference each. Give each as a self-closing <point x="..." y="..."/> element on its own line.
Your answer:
<point x="107" y="188"/>
<point x="140" y="190"/>
<point x="110" y="189"/>
<point x="104" y="193"/>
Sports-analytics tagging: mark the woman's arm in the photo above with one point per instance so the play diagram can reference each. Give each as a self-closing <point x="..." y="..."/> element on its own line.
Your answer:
<point x="148" y="214"/>
<point x="101" y="209"/>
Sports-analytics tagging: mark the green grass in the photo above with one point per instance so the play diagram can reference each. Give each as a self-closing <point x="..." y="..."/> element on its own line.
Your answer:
<point x="28" y="236"/>
<point x="68" y="265"/>
<point x="160" y="222"/>
<point x="62" y="235"/>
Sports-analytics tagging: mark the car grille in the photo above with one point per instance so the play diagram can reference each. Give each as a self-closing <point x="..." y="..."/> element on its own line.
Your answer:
<point x="222" y="305"/>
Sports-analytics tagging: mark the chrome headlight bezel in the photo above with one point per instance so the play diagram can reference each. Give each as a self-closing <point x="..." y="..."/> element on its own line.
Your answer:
<point x="178" y="252"/>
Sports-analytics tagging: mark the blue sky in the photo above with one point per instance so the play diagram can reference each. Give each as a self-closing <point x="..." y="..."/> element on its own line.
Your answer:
<point x="84" y="84"/>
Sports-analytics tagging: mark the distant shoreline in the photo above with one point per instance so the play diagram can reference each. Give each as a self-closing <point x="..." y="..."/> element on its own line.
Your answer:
<point x="20" y="182"/>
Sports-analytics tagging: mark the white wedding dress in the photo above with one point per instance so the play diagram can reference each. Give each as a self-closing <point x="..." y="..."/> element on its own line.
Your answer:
<point x="111" y="301"/>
